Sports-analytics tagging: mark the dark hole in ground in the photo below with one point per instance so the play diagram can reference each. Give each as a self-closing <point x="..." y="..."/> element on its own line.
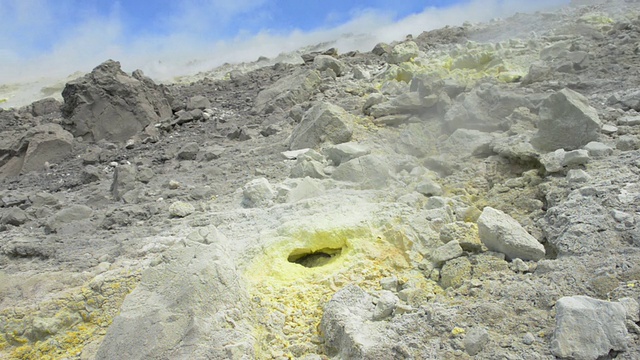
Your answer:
<point x="311" y="259"/>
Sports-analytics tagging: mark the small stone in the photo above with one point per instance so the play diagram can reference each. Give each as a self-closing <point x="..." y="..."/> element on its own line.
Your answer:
<point x="389" y="283"/>
<point x="575" y="176"/>
<point x="181" y="209"/>
<point x="519" y="265"/>
<point x="189" y="151"/>
<point x="629" y="121"/>
<point x="173" y="184"/>
<point x="598" y="149"/>
<point x="528" y="339"/>
<point x="575" y="157"/>
<point x="257" y="193"/>
<point x="609" y="129"/>
<point x="385" y="306"/>
<point x="475" y="340"/>
<point x="455" y="272"/>
<point x="444" y="253"/>
<point x="429" y="187"/>
<point x="628" y="143"/>
<point x="14" y="216"/>
<point x="130" y="144"/>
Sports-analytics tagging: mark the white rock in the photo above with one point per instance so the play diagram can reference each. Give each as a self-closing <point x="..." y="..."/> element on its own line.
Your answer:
<point x="257" y="193"/>
<point x="598" y="149"/>
<point x="587" y="328"/>
<point x="385" y="306"/>
<point x="501" y="233"/>
<point x="446" y="252"/>
<point x="575" y="157"/>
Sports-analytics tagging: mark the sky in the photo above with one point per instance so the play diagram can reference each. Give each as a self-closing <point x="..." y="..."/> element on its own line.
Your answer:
<point x="54" y="38"/>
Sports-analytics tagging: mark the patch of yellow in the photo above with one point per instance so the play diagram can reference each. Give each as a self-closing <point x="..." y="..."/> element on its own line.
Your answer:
<point x="289" y="298"/>
<point x="81" y="316"/>
<point x="457" y="331"/>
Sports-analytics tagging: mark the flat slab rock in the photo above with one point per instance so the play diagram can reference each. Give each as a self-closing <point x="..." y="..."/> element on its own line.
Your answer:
<point x="501" y="233"/>
<point x="588" y="329"/>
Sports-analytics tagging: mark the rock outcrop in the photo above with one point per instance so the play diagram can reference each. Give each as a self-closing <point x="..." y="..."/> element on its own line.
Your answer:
<point x="111" y="105"/>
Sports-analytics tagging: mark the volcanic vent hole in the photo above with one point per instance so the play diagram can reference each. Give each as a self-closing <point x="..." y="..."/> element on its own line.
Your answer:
<point x="313" y="259"/>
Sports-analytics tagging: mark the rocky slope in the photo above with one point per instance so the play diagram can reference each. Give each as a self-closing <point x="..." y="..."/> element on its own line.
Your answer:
<point x="464" y="193"/>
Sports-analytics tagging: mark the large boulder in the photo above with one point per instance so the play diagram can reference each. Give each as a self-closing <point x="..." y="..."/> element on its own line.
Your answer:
<point x="501" y="233"/>
<point x="46" y="143"/>
<point x="322" y="122"/>
<point x="288" y="91"/>
<point x="325" y="62"/>
<point x="588" y="329"/>
<point x="566" y="122"/>
<point x="109" y="104"/>
<point x="189" y="307"/>
<point x="486" y="108"/>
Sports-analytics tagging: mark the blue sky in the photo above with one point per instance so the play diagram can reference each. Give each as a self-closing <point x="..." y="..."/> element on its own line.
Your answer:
<point x="57" y="37"/>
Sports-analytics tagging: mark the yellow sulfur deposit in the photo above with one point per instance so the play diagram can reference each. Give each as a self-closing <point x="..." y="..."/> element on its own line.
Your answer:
<point x="293" y="279"/>
<point x="61" y="328"/>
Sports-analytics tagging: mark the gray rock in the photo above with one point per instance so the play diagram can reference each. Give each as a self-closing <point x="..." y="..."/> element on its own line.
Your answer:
<point x="575" y="157"/>
<point x="609" y="129"/>
<point x="45" y="107"/>
<point x="371" y="171"/>
<point x="465" y="233"/>
<point x="172" y="314"/>
<point x="428" y="187"/>
<point x="14" y="216"/>
<point x="90" y="174"/>
<point x="344" y="152"/>
<point x="381" y="49"/>
<point x="553" y="161"/>
<point x="310" y="168"/>
<point x="598" y="149"/>
<point x="403" y="52"/>
<point x="588" y="329"/>
<point x="632" y="308"/>
<point x="198" y="102"/>
<point x="67" y="217"/>
<point x="385" y="306"/>
<point x="324" y="122"/>
<point x="566" y="122"/>
<point x="288" y="91"/>
<point x="486" y="108"/>
<point x="180" y="209"/>
<point x="466" y="142"/>
<point x="324" y="62"/>
<point x="213" y="152"/>
<point x="342" y="321"/>
<point x="501" y="233"/>
<point x="389" y="283"/>
<point x="576" y="176"/>
<point x="257" y="193"/>
<point x="188" y="151"/>
<point x="124" y="180"/>
<point x="475" y="340"/>
<point x="444" y="253"/>
<point x="109" y="104"/>
<point x="628" y="143"/>
<point x="48" y="143"/>
<point x="455" y="272"/>
<point x="407" y="103"/>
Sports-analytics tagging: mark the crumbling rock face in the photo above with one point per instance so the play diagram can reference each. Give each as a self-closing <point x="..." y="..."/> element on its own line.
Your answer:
<point x="109" y="104"/>
<point x="183" y="309"/>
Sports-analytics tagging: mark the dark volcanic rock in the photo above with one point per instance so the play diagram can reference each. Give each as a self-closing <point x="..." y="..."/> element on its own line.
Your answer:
<point x="109" y="104"/>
